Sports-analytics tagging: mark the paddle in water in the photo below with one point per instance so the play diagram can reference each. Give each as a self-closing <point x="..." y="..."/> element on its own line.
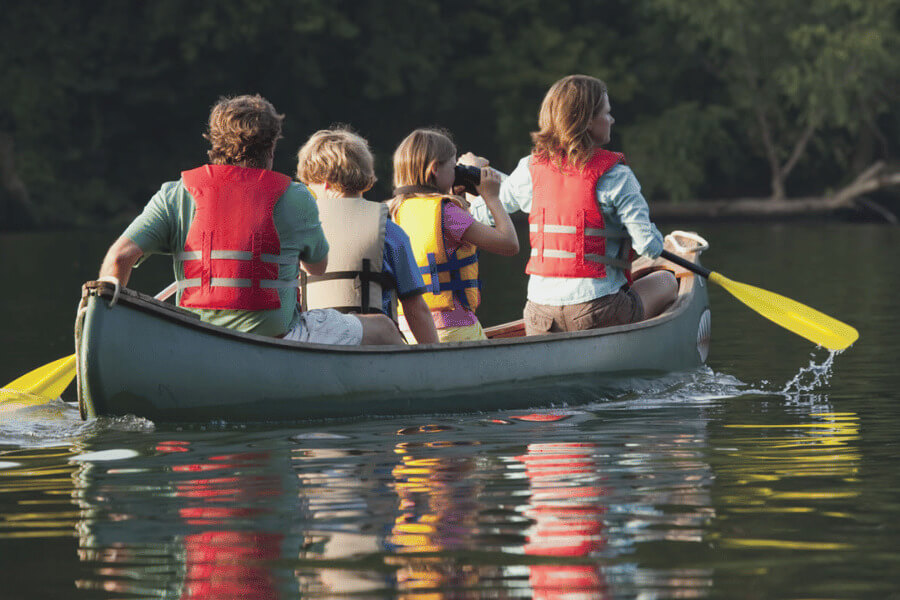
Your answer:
<point x="50" y="381"/>
<point x="806" y="322"/>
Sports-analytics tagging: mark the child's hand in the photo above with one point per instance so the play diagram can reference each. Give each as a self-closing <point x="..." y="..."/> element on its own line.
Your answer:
<point x="490" y="183"/>
<point x="473" y="161"/>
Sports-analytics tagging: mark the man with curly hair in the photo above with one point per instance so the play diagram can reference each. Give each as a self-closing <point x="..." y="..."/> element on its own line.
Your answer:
<point x="238" y="233"/>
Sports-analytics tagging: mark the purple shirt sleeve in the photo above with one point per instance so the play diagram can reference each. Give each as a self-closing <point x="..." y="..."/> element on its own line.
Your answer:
<point x="456" y="222"/>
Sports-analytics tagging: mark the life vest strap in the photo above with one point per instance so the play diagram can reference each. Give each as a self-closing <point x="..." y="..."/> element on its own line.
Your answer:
<point x="452" y="264"/>
<point x="456" y="285"/>
<point x="366" y="276"/>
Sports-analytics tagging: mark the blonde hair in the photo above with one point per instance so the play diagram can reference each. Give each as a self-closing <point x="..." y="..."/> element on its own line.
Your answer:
<point x="413" y="160"/>
<point x="338" y="157"/>
<point x="416" y="154"/>
<point x="566" y="113"/>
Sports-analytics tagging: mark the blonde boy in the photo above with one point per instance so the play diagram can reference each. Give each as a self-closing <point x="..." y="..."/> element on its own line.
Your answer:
<point x="337" y="166"/>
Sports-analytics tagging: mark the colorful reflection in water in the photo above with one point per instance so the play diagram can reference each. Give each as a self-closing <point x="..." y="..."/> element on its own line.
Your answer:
<point x="802" y="476"/>
<point x="437" y="514"/>
<point x="216" y="506"/>
<point x="555" y="505"/>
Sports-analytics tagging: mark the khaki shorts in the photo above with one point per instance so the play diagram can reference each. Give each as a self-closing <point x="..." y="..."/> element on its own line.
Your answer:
<point x="467" y="333"/>
<point x="327" y="326"/>
<point x="614" y="309"/>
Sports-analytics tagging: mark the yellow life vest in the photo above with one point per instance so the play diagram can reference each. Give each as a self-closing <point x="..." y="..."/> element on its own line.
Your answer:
<point x="446" y="275"/>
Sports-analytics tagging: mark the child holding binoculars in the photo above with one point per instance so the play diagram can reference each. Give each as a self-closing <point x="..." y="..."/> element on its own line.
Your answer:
<point x="445" y="237"/>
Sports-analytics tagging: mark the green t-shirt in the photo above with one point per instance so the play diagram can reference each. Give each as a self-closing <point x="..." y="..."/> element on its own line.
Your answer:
<point x="163" y="226"/>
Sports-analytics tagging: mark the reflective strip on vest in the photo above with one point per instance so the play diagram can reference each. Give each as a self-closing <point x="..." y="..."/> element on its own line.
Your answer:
<point x="592" y="231"/>
<point x="235" y="255"/>
<point x="240" y="283"/>
<point x="231" y="282"/>
<point x="573" y="230"/>
<point x="605" y="260"/>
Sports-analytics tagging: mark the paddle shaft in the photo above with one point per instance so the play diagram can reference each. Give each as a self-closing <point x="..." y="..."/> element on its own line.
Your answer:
<point x="53" y="378"/>
<point x="803" y="320"/>
<point x="703" y="272"/>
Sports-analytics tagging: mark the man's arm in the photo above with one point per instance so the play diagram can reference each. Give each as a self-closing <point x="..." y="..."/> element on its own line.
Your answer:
<point x="120" y="259"/>
<point x="418" y="317"/>
<point x="317" y="268"/>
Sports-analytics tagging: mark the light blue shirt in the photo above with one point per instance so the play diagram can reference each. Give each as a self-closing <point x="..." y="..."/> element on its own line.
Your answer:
<point x="623" y="207"/>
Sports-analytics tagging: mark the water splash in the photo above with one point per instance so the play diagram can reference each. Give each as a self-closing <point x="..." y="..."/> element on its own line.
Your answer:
<point x="31" y="421"/>
<point x="807" y="387"/>
<point x="812" y="377"/>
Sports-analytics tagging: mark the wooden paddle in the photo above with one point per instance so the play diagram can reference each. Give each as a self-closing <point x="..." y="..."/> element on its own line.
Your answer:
<point x="806" y="322"/>
<point x="50" y="381"/>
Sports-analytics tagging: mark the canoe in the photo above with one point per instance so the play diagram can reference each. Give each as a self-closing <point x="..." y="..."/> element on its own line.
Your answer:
<point x="151" y="359"/>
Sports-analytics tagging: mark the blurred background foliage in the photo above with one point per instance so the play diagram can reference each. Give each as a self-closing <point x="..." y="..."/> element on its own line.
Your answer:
<point x="103" y="100"/>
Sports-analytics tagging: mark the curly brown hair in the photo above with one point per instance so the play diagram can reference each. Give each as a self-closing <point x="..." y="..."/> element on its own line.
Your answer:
<point x="566" y="113"/>
<point x="243" y="131"/>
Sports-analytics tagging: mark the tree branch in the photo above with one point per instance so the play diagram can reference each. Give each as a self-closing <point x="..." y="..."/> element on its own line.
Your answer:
<point x="799" y="147"/>
<point x="875" y="207"/>
<point x="873" y="178"/>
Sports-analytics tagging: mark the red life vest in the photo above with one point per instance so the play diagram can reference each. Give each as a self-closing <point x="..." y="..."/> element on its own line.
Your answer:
<point x="566" y="228"/>
<point x="232" y="251"/>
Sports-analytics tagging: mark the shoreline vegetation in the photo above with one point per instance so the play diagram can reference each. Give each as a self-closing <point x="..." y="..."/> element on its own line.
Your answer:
<point x="853" y="198"/>
<point x="775" y="110"/>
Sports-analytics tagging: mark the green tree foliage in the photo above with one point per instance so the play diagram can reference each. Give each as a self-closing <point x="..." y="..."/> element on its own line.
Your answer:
<point x="795" y="71"/>
<point x="101" y="100"/>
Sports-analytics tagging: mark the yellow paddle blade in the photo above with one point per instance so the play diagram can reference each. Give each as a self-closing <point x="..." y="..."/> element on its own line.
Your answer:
<point x="806" y="322"/>
<point x="12" y="401"/>
<point x="49" y="381"/>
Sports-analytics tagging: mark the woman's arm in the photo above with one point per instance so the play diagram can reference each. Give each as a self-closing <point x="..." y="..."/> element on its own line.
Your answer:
<point x="502" y="238"/>
<point x="515" y="190"/>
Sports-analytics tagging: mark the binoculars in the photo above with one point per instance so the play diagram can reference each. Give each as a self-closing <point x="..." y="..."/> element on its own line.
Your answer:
<point x="469" y="177"/>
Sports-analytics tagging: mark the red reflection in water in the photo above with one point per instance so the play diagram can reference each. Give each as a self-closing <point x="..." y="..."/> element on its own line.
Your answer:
<point x="222" y="563"/>
<point x="567" y="520"/>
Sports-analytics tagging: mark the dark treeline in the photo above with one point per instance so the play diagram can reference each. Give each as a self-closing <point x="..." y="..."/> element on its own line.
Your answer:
<point x="101" y="101"/>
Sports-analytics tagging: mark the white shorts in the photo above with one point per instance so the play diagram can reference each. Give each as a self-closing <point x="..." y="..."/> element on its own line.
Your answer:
<point x="327" y="326"/>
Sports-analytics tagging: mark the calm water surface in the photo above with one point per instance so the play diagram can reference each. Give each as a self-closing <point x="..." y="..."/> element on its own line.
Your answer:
<point x="771" y="473"/>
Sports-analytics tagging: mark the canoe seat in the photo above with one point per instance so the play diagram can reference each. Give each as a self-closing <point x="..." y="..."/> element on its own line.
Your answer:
<point x="506" y="330"/>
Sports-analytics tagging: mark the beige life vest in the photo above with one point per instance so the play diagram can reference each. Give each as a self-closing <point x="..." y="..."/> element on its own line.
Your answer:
<point x="355" y="230"/>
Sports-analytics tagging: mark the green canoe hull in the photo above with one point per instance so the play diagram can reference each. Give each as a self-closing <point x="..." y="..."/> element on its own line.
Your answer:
<point x="147" y="358"/>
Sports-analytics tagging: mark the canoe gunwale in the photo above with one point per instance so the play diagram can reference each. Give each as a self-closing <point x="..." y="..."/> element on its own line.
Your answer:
<point x="145" y="303"/>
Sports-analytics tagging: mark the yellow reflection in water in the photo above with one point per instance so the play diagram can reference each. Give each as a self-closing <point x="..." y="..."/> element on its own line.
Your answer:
<point x="437" y="513"/>
<point x="796" y="471"/>
<point x="42" y="479"/>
